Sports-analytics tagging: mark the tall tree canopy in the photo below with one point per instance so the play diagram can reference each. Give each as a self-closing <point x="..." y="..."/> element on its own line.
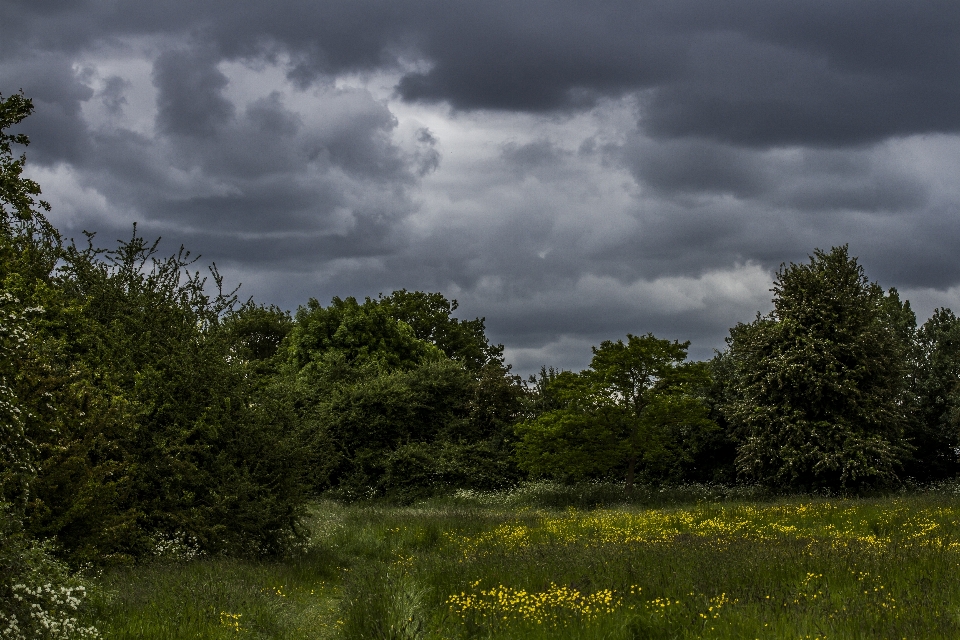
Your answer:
<point x="637" y="405"/>
<point x="936" y="430"/>
<point x="430" y="315"/>
<point x="396" y="395"/>
<point x="820" y="382"/>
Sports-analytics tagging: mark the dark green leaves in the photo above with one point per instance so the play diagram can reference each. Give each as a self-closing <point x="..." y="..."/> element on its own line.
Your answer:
<point x="398" y="383"/>
<point x="16" y="192"/>
<point x="936" y="382"/>
<point x="820" y="382"/>
<point x="635" y="407"/>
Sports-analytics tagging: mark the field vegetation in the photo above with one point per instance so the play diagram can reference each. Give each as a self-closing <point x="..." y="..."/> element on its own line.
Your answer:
<point x="549" y="561"/>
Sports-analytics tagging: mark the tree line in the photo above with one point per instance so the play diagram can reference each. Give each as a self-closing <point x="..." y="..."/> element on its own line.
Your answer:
<point x="835" y="390"/>
<point x="142" y="401"/>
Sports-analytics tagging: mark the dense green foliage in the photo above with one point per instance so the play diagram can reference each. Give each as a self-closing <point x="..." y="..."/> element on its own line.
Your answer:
<point x="935" y="430"/>
<point x="637" y="404"/>
<point x="820" y="393"/>
<point x="396" y="397"/>
<point x="39" y="597"/>
<point x="129" y="415"/>
<point x="158" y="430"/>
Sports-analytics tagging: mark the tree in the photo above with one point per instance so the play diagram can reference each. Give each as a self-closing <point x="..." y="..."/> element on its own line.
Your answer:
<point x="636" y="406"/>
<point x="576" y="437"/>
<point x="30" y="578"/>
<point x="29" y="245"/>
<point x="394" y="392"/>
<point x="133" y="403"/>
<point x="430" y="317"/>
<point x="256" y="331"/>
<point x="648" y="381"/>
<point x="17" y="194"/>
<point x="819" y="397"/>
<point x="152" y="425"/>
<point x="17" y="451"/>
<point x="715" y="455"/>
<point x="936" y="430"/>
<point x="347" y="335"/>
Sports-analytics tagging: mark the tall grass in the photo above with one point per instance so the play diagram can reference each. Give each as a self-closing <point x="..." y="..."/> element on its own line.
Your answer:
<point x="509" y="566"/>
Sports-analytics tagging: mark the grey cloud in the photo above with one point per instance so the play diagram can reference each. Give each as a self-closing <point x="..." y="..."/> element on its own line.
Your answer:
<point x="270" y="188"/>
<point x="754" y="73"/>
<point x="57" y="130"/>
<point x="693" y="166"/>
<point x="830" y="180"/>
<point x="878" y="193"/>
<point x="111" y="96"/>
<point x="190" y="101"/>
<point x="359" y="137"/>
<point x="269" y="116"/>
<point x="744" y="71"/>
<point x="427" y="156"/>
<point x="531" y="155"/>
<point x="264" y="169"/>
<point x="801" y="179"/>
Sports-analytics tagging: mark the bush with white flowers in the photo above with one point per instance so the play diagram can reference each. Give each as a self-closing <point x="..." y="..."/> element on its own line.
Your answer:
<point x="15" y="448"/>
<point x="48" y="611"/>
<point x="39" y="597"/>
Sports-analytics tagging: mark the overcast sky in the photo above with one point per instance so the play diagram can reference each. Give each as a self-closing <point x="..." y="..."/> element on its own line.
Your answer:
<point x="571" y="170"/>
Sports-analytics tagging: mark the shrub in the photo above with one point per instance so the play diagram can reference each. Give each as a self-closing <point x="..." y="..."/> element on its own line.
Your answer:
<point x="39" y="597"/>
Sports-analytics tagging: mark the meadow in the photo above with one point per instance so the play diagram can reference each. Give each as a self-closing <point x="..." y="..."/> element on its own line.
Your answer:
<point x="551" y="562"/>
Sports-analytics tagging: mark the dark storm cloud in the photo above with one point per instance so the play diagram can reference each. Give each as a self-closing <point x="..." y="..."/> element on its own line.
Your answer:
<point x="693" y="166"/>
<point x="427" y="156"/>
<point x="112" y="96"/>
<point x="749" y="72"/>
<point x="531" y="155"/>
<point x="190" y="101"/>
<point x="259" y="168"/>
<point x="757" y="73"/>
<point x="57" y="130"/>
<point x="254" y="182"/>
<point x="802" y="179"/>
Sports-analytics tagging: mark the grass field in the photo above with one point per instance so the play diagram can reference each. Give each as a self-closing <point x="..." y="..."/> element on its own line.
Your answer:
<point x="523" y="566"/>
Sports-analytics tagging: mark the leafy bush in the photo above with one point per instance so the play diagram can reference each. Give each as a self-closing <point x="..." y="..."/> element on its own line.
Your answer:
<point x="154" y="424"/>
<point x="39" y="597"/>
<point x="16" y="449"/>
<point x="936" y="431"/>
<point x="394" y="398"/>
